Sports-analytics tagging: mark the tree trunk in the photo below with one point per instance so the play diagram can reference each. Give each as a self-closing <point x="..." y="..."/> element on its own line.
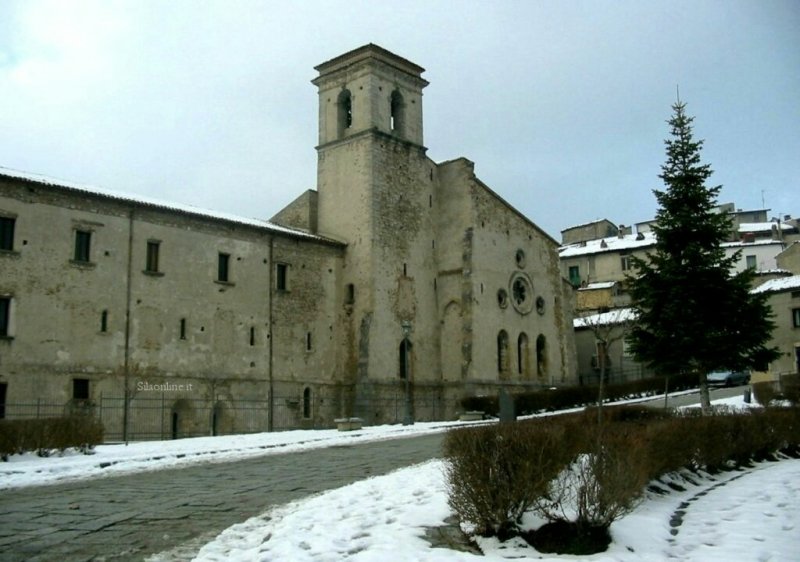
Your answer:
<point x="705" y="397"/>
<point x="600" y="394"/>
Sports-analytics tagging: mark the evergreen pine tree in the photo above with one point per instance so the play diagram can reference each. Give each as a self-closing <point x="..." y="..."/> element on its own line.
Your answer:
<point x="694" y="314"/>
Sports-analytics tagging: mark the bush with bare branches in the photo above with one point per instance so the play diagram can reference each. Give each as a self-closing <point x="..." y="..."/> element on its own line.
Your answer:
<point x="496" y="473"/>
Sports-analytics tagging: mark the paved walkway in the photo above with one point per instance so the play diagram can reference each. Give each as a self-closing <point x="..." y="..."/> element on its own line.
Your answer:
<point x="132" y="517"/>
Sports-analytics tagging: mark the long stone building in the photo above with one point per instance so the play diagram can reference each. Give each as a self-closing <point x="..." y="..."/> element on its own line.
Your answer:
<point x="398" y="278"/>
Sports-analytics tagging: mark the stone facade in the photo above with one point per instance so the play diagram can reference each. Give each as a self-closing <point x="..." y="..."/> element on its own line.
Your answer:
<point x="304" y="311"/>
<point x="150" y="298"/>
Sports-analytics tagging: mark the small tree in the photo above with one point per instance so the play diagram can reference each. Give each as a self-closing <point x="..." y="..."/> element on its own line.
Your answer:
<point x="608" y="328"/>
<point x="694" y="314"/>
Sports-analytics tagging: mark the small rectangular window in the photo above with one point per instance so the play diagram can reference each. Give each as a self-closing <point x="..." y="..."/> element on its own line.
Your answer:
<point x="252" y="335"/>
<point x="7" y="233"/>
<point x="183" y="328"/>
<point x="308" y="341"/>
<point x="281" y="277"/>
<point x="575" y="275"/>
<point x="223" y="271"/>
<point x="625" y="262"/>
<point x="350" y="294"/>
<point x="751" y="262"/>
<point x="104" y="321"/>
<point x="5" y="316"/>
<point x="152" y="256"/>
<point x="80" y="389"/>
<point x="83" y="240"/>
<point x="796" y="317"/>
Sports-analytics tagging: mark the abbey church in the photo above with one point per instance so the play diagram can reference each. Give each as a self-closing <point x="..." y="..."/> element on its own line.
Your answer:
<point x="399" y="285"/>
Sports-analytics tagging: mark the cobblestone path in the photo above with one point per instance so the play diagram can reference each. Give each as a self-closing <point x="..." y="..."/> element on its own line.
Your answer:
<point x="131" y="517"/>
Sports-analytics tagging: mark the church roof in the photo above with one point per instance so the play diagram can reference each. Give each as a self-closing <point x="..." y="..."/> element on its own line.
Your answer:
<point x="160" y="205"/>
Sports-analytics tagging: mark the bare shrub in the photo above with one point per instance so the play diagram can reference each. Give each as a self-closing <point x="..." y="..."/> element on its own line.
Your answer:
<point x="764" y="392"/>
<point x="496" y="473"/>
<point x="48" y="435"/>
<point x="790" y="389"/>
<point x="602" y="485"/>
<point x="671" y="445"/>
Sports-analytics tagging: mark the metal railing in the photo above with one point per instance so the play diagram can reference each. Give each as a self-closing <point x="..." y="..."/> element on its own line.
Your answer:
<point x="153" y="418"/>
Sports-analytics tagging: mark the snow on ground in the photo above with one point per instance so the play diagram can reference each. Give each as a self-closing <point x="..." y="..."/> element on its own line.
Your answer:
<point x="751" y="516"/>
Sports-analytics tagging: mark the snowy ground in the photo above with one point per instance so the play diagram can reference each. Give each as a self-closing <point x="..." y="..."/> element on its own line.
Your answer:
<point x="749" y="515"/>
<point x="752" y="516"/>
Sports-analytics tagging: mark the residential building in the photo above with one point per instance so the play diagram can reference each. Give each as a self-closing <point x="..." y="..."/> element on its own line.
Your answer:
<point x="784" y="299"/>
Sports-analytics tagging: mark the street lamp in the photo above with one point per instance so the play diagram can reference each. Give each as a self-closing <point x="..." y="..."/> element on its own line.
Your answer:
<point x="407" y="417"/>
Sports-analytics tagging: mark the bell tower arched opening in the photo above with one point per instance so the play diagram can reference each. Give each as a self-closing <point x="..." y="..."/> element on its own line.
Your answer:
<point x="344" y="107"/>
<point x="397" y="113"/>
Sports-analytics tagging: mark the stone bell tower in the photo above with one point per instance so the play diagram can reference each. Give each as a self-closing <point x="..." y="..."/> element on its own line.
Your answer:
<point x="375" y="192"/>
<point x="369" y="89"/>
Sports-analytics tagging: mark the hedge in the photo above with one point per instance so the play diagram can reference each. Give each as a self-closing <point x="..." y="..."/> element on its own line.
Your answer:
<point x="496" y="473"/>
<point x="48" y="435"/>
<point x="560" y="398"/>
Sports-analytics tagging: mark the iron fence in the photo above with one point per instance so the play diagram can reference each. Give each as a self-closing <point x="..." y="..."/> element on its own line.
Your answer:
<point x="154" y="418"/>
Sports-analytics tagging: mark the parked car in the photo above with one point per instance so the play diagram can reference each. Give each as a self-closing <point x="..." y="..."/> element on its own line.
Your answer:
<point x="728" y="378"/>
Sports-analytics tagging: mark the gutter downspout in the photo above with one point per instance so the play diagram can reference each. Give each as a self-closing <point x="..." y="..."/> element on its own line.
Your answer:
<point x="126" y="359"/>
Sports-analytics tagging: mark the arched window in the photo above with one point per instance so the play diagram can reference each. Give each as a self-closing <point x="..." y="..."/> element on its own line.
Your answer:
<point x="307" y="403"/>
<point x="502" y="351"/>
<point x="397" y="112"/>
<point x="345" y="111"/>
<point x="522" y="354"/>
<point x="541" y="355"/>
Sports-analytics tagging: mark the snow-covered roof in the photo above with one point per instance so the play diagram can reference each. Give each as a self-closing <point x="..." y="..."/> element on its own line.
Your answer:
<point x="763" y="226"/>
<point x="616" y="316"/>
<point x="778" y="285"/>
<point x="600" y="285"/>
<point x="159" y="204"/>
<point x="610" y="244"/>
<point x="742" y="243"/>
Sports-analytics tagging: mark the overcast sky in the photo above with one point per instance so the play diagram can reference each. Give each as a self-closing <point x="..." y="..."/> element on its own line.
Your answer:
<point x="561" y="105"/>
